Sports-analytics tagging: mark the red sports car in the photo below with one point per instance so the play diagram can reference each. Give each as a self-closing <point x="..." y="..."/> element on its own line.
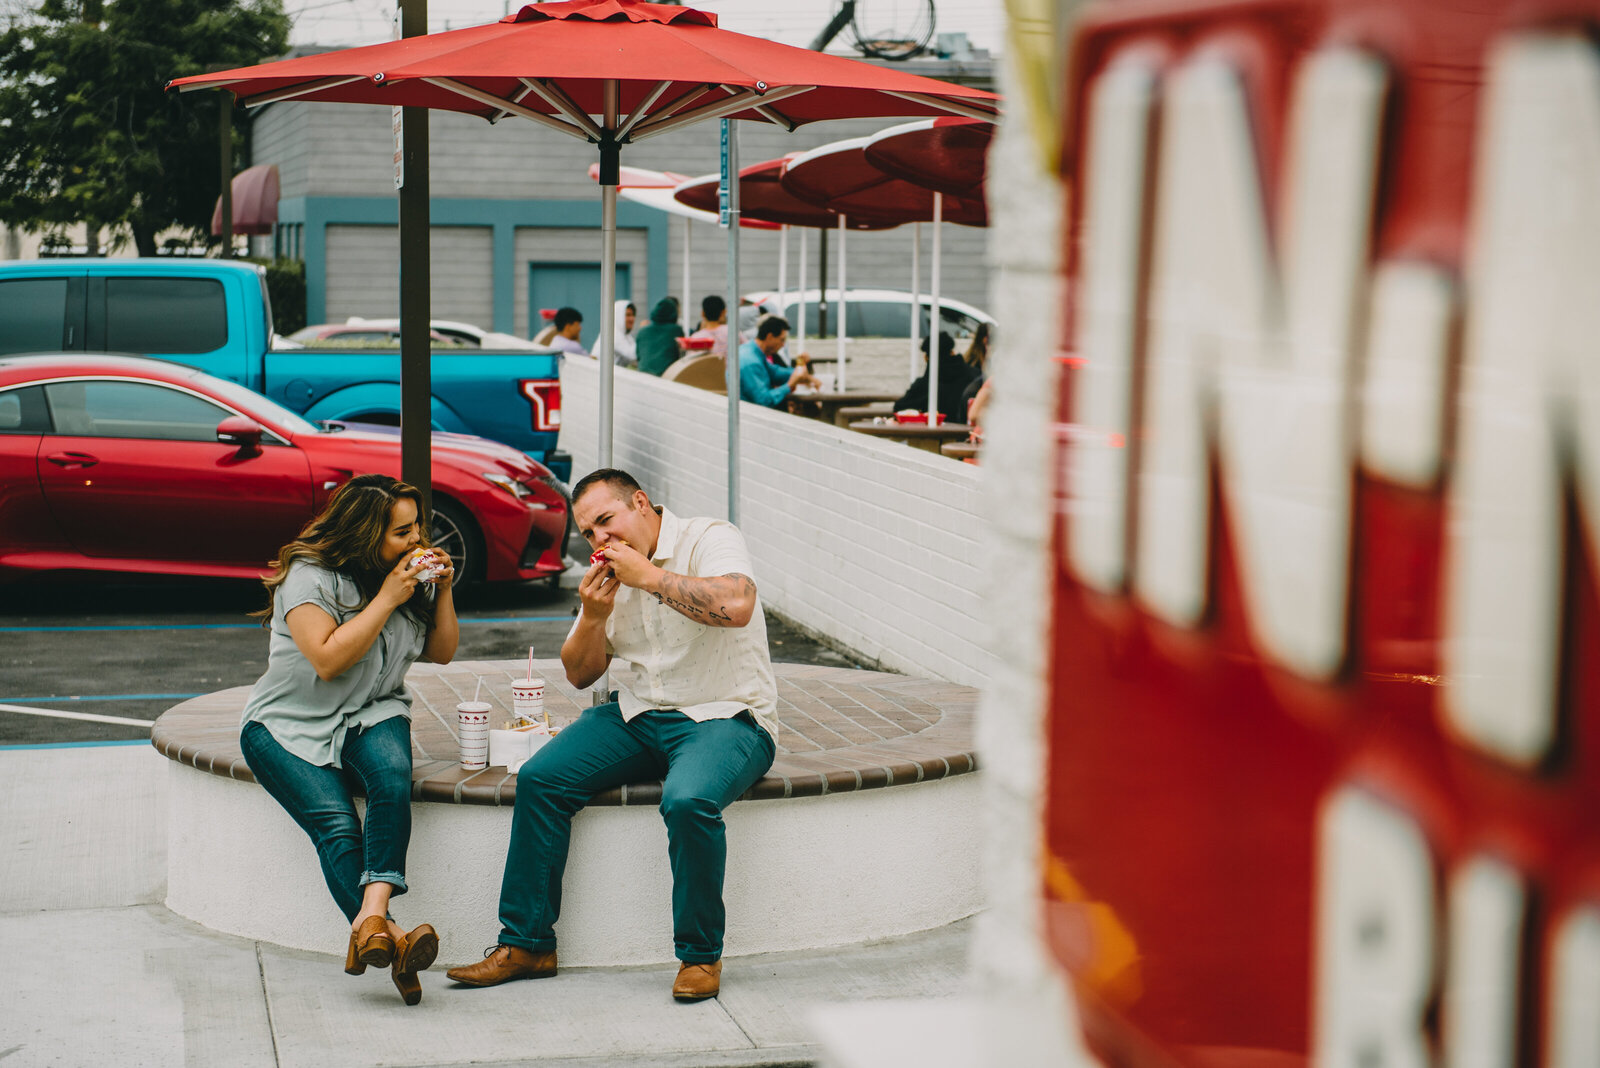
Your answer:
<point x="116" y="463"/>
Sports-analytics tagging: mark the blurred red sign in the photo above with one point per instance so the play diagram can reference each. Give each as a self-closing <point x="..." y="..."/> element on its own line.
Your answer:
<point x="1324" y="740"/>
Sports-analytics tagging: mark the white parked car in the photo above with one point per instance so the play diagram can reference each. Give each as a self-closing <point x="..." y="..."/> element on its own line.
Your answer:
<point x="465" y="333"/>
<point x="879" y="313"/>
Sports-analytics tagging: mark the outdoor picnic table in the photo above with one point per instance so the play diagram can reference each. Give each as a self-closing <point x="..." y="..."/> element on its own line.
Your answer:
<point x="850" y="413"/>
<point x="920" y="435"/>
<point x="825" y="404"/>
<point x="961" y="450"/>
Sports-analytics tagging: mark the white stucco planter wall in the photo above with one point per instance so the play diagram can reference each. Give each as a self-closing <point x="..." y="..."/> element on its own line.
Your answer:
<point x="874" y="544"/>
<point x="803" y="873"/>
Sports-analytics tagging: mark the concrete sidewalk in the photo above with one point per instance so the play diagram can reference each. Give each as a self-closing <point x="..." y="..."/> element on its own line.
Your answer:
<point x="140" y="986"/>
<point x="98" y="972"/>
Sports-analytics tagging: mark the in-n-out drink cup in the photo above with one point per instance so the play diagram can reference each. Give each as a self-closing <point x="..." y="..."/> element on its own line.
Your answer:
<point x="527" y="699"/>
<point x="472" y="727"/>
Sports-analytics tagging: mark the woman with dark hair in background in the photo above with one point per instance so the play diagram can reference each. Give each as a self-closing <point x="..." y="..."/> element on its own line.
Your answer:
<point x="351" y="606"/>
<point x="953" y="378"/>
<point x="977" y="359"/>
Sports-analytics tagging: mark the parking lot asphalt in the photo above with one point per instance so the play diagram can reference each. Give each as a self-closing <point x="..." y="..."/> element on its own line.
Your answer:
<point x="85" y="651"/>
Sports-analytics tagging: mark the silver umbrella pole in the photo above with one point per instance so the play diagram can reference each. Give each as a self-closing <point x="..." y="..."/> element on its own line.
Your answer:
<point x="800" y="318"/>
<point x="842" y="304"/>
<point x="916" y="295"/>
<point x="936" y="324"/>
<point x="683" y="306"/>
<point x="610" y="175"/>
<point x="730" y="131"/>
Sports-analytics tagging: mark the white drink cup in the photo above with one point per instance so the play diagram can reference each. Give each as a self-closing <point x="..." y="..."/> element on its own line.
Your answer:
<point x="472" y="720"/>
<point x="527" y="699"/>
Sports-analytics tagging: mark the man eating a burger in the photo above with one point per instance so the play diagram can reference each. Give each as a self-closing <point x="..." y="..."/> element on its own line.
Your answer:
<point x="672" y="601"/>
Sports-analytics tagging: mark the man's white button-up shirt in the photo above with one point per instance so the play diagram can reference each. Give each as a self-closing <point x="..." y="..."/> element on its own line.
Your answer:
<point x="670" y="661"/>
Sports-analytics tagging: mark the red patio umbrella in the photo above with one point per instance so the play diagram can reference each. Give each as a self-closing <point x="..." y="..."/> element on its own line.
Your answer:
<point x="762" y="196"/>
<point x="610" y="72"/>
<point x="841" y="178"/>
<point x="838" y="176"/>
<point x="949" y="156"/>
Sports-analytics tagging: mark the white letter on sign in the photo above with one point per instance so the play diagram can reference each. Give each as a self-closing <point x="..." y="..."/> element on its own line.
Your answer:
<point x="1407" y="365"/>
<point x="1574" y="1030"/>
<point x="1275" y="368"/>
<point x="1480" y="992"/>
<point x="1117" y="149"/>
<point x="1374" y="947"/>
<point x="1530" y="393"/>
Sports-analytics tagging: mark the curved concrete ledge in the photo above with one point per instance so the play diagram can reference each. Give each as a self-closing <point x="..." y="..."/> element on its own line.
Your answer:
<point x="866" y="827"/>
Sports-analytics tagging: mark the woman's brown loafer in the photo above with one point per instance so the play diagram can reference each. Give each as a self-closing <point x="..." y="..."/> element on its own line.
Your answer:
<point x="415" y="953"/>
<point x="370" y="943"/>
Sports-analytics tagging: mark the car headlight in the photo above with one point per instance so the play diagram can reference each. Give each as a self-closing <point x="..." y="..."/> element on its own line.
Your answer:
<point x="519" y="490"/>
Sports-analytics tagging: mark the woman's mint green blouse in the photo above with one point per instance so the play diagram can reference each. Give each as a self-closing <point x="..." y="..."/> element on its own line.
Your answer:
<point x="309" y="716"/>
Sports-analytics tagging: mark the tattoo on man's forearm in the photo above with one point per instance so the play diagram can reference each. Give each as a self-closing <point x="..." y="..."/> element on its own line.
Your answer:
<point x="704" y="600"/>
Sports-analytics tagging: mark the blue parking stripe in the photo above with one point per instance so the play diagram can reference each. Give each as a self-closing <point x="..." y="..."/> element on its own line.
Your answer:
<point x="76" y="745"/>
<point x="465" y="620"/>
<point x="102" y="697"/>
<point x="517" y="619"/>
<point x="135" y="626"/>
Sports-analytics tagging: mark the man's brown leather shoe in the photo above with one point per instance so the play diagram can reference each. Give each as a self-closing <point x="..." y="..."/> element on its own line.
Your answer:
<point x="503" y="963"/>
<point x="696" y="982"/>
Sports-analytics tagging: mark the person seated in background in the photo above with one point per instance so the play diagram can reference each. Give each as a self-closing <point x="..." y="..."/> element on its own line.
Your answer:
<point x="953" y="378"/>
<point x="656" y="343"/>
<point x="766" y="383"/>
<point x="568" y="324"/>
<point x="975" y="410"/>
<point x="714" y="324"/>
<point x="977" y="359"/>
<point x="750" y="315"/>
<point x="623" y="315"/>
<point x="548" y="331"/>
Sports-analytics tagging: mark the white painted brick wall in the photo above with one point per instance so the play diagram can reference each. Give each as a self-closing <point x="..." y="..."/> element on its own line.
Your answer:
<point x="869" y="542"/>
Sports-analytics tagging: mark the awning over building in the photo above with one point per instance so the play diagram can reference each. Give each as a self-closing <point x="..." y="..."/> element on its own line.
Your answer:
<point x="255" y="201"/>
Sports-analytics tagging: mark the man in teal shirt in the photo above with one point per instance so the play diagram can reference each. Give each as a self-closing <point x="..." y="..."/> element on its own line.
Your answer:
<point x="766" y="383"/>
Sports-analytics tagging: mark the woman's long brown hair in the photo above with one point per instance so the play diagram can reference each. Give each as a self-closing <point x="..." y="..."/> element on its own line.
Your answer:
<point x="348" y="537"/>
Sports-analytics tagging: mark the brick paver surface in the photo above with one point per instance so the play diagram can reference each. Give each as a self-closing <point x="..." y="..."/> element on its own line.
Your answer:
<point x="839" y="730"/>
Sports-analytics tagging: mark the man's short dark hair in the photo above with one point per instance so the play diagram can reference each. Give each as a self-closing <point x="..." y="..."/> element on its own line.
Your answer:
<point x="619" y="480"/>
<point x="567" y="316"/>
<point x="771" y="326"/>
<point x="713" y="307"/>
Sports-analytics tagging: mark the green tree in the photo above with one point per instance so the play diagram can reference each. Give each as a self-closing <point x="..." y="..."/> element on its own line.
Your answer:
<point x="88" y="132"/>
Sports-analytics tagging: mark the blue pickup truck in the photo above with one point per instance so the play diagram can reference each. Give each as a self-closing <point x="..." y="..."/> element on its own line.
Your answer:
<point x="215" y="315"/>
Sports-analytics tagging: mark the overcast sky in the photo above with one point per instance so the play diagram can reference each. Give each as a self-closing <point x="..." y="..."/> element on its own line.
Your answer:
<point x="351" y="22"/>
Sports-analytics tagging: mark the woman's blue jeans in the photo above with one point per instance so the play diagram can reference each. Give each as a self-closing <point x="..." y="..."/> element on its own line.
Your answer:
<point x="377" y="763"/>
<point x="706" y="766"/>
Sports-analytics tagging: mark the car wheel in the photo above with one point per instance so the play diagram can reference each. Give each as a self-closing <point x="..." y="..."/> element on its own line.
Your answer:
<point x="454" y="531"/>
